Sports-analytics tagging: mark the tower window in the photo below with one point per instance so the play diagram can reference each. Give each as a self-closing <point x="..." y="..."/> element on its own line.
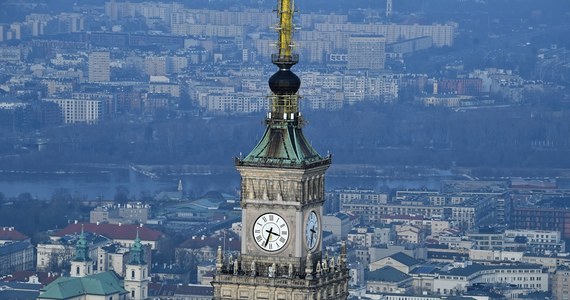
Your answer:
<point x="133" y="293"/>
<point x="77" y="271"/>
<point x="132" y="273"/>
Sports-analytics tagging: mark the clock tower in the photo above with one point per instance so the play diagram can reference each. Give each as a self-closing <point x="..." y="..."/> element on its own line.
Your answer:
<point x="282" y="196"/>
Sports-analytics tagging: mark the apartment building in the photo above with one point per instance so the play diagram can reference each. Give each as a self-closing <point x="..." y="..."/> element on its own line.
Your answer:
<point x="80" y="110"/>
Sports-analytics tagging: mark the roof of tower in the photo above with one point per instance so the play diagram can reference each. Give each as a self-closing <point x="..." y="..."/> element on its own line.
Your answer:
<point x="283" y="146"/>
<point x="137" y="252"/>
<point x="82" y="248"/>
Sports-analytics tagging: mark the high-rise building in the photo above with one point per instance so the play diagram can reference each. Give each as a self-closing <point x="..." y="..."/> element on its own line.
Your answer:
<point x="366" y="52"/>
<point x="99" y="66"/>
<point x="282" y="196"/>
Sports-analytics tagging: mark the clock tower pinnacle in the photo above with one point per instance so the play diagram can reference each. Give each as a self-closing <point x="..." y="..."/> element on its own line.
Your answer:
<point x="282" y="196"/>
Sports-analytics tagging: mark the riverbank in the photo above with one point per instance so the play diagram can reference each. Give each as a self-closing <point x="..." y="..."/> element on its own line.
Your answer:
<point x="103" y="181"/>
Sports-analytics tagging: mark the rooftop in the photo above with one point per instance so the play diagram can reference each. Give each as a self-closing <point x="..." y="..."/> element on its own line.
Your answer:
<point x="15" y="247"/>
<point x="105" y="283"/>
<point x="474" y="268"/>
<point x="387" y="274"/>
<point x="404" y="259"/>
<point x="156" y="289"/>
<point x="11" y="234"/>
<point x="113" y="231"/>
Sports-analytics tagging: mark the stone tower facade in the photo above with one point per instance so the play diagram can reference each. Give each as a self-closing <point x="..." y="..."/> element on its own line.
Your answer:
<point x="282" y="196"/>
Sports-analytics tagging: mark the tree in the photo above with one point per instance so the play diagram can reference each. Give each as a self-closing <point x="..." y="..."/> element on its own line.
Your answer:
<point x="121" y="195"/>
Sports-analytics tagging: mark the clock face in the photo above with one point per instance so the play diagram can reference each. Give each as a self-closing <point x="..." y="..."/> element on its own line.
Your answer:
<point x="270" y="232"/>
<point x="312" y="230"/>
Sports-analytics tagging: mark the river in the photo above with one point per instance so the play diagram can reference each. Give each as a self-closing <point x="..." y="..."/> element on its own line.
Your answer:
<point x="104" y="185"/>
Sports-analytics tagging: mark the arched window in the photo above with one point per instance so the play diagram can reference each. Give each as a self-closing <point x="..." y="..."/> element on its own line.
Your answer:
<point x="77" y="270"/>
<point x="132" y="273"/>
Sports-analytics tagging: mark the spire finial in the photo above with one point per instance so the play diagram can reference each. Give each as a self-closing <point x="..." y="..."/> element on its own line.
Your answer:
<point x="285" y="29"/>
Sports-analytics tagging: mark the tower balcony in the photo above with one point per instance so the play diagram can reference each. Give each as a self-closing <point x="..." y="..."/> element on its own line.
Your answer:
<point x="284" y="60"/>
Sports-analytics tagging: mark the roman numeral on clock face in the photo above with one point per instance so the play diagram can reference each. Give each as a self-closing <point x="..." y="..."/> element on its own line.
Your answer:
<point x="270" y="232"/>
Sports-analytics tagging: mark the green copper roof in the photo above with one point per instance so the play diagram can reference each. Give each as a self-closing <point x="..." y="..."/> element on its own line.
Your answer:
<point x="82" y="248"/>
<point x="137" y="252"/>
<point x="105" y="283"/>
<point x="283" y="145"/>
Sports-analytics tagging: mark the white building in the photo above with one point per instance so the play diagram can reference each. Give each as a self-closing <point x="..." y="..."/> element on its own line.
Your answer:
<point x="238" y="102"/>
<point x="366" y="52"/>
<point x="80" y="110"/>
<point x="531" y="277"/>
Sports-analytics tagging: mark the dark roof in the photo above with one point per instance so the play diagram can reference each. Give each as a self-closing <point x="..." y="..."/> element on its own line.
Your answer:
<point x="386" y="274"/>
<point x="195" y="290"/>
<point x="211" y="241"/>
<point x="23" y="276"/>
<point x="447" y="255"/>
<point x="21" y="286"/>
<point x="15" y="247"/>
<point x="437" y="246"/>
<point x="113" y="231"/>
<point x="473" y="268"/>
<point x="18" y="295"/>
<point x="10" y="234"/>
<point x="404" y="259"/>
<point x="469" y="270"/>
<point x="535" y="295"/>
<point x="168" y="269"/>
<point x="157" y="289"/>
<point x="425" y="269"/>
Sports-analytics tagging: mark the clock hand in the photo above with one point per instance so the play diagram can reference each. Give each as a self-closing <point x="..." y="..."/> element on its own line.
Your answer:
<point x="270" y="232"/>
<point x="313" y="232"/>
<point x="275" y="233"/>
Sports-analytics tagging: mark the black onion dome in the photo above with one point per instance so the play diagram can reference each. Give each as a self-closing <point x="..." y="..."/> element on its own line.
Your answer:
<point x="284" y="82"/>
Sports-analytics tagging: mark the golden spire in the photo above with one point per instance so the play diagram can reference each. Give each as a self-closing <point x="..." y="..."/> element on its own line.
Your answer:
<point x="285" y="29"/>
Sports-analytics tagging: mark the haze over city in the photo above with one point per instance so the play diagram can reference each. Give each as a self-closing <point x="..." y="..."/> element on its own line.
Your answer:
<point x="412" y="149"/>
